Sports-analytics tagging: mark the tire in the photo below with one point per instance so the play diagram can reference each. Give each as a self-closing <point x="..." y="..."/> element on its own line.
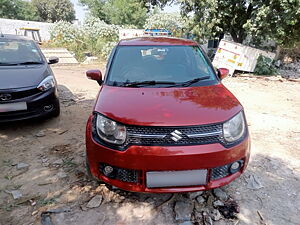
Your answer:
<point x="56" y="111"/>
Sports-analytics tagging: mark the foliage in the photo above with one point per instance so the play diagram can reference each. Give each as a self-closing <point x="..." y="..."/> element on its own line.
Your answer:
<point x="95" y="8"/>
<point x="120" y="12"/>
<point x="291" y="52"/>
<point x="277" y="20"/>
<point x="94" y="36"/>
<point x="170" y="21"/>
<point x="55" y="10"/>
<point x="125" y="12"/>
<point x="18" y="9"/>
<point x="106" y="49"/>
<point x="265" y="66"/>
<point x="96" y="28"/>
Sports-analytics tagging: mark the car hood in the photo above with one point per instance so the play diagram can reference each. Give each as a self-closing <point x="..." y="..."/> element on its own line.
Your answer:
<point x="13" y="77"/>
<point x="167" y="106"/>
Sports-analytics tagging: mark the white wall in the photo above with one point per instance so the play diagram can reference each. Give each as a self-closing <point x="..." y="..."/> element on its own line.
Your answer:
<point x="8" y="26"/>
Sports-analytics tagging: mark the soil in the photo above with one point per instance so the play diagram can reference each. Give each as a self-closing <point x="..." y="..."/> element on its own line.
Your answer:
<point x="54" y="149"/>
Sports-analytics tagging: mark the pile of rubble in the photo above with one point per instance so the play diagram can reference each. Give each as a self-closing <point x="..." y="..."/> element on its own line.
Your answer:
<point x="290" y="71"/>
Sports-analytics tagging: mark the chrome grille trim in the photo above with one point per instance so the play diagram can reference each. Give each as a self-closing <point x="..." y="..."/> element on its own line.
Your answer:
<point x="209" y="134"/>
<point x="158" y="136"/>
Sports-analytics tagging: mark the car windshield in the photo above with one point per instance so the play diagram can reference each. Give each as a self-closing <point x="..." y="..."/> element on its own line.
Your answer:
<point x="159" y="65"/>
<point x="19" y="52"/>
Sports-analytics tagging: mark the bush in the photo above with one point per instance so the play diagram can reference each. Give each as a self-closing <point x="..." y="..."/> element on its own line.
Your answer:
<point x="94" y="36"/>
<point x="265" y="66"/>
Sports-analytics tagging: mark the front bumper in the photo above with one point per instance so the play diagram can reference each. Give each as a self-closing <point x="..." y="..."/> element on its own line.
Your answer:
<point x="165" y="158"/>
<point x="35" y="106"/>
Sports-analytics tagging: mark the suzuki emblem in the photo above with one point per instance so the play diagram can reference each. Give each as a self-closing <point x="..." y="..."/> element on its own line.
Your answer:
<point x="176" y="135"/>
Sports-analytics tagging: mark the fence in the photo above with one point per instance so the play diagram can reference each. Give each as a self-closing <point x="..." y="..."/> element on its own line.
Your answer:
<point x="8" y="26"/>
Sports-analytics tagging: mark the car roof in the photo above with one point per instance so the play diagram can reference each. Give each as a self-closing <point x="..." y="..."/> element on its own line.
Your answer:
<point x="14" y="37"/>
<point x="145" y="41"/>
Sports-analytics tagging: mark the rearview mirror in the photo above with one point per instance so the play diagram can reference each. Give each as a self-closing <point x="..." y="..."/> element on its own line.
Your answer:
<point x="53" y="60"/>
<point x="222" y="73"/>
<point x="94" y="75"/>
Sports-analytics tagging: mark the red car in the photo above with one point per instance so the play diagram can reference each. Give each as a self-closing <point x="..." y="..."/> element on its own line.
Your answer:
<point x="163" y="121"/>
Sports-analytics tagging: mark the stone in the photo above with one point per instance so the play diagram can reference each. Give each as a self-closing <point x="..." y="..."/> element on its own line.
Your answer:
<point x="199" y="207"/>
<point x="183" y="210"/>
<point x="210" y="201"/>
<point x="218" y="203"/>
<point x="193" y="195"/>
<point x="95" y="202"/>
<point x="40" y="134"/>
<point x="16" y="194"/>
<point x="207" y="219"/>
<point x="220" y="194"/>
<point x="61" y="175"/>
<point x="44" y="160"/>
<point x="200" y="199"/>
<point x="186" y="223"/>
<point x="215" y="215"/>
<point x="22" y="165"/>
<point x="58" y="162"/>
<point x="198" y="217"/>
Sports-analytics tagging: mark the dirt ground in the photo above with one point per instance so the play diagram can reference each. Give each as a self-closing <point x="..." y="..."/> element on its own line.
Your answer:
<point x="267" y="193"/>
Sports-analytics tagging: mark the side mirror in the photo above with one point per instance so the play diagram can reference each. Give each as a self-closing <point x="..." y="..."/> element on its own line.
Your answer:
<point x="94" y="75"/>
<point x="222" y="73"/>
<point x="53" y="60"/>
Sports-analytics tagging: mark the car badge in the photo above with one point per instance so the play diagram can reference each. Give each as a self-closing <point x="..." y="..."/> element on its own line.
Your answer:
<point x="5" y="97"/>
<point x="176" y="135"/>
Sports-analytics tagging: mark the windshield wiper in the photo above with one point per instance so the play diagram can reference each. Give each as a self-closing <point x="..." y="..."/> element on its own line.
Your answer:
<point x="145" y="83"/>
<point x="190" y="82"/>
<point x="29" y="63"/>
<point x="7" y="64"/>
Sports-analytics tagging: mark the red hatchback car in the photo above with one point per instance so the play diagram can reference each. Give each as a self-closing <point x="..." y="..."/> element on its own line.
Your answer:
<point x="163" y="121"/>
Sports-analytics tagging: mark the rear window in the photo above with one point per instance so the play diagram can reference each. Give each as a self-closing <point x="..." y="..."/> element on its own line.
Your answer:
<point x="159" y="63"/>
<point x="18" y="51"/>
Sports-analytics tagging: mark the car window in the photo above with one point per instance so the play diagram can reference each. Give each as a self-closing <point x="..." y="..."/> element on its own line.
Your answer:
<point x="158" y="63"/>
<point x="18" y="51"/>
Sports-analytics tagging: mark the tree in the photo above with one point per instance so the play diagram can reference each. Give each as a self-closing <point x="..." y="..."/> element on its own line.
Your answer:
<point x="170" y="21"/>
<point x="55" y="10"/>
<point x="125" y="12"/>
<point x="96" y="8"/>
<point x="275" y="19"/>
<point x="120" y="12"/>
<point x="18" y="9"/>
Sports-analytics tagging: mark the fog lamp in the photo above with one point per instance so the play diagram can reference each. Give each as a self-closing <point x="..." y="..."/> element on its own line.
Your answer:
<point x="235" y="167"/>
<point x="108" y="170"/>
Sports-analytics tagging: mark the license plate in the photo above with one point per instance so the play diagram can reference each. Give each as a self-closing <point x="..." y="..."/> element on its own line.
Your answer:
<point x="11" y="107"/>
<point x="182" y="178"/>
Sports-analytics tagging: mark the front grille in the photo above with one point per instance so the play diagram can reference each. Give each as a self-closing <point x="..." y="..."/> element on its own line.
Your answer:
<point x="207" y="134"/>
<point x="220" y="172"/>
<point x="224" y="171"/>
<point x="19" y="94"/>
<point x="125" y="175"/>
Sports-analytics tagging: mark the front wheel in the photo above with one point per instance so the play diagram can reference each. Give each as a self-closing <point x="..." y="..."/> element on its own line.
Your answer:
<point x="56" y="111"/>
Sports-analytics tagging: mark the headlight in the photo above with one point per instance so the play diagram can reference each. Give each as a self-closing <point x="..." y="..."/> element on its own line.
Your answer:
<point x="47" y="83"/>
<point x="110" y="131"/>
<point x="234" y="128"/>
